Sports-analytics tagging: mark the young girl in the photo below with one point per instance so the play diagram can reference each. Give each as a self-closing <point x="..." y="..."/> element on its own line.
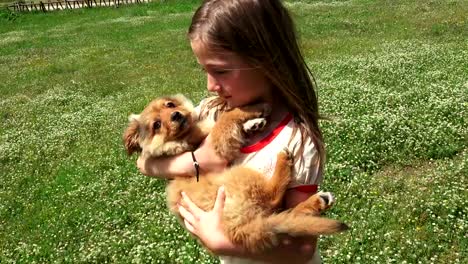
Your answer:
<point x="249" y="52"/>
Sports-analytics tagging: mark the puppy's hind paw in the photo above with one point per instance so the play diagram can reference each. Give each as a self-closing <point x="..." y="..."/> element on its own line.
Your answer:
<point x="254" y="125"/>
<point x="286" y="155"/>
<point x="327" y="200"/>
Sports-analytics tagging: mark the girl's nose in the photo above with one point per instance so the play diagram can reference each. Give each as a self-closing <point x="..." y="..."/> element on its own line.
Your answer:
<point x="212" y="84"/>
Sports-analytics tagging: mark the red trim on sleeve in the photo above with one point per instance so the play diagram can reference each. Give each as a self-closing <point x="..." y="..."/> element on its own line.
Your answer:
<point x="266" y="140"/>
<point x="313" y="188"/>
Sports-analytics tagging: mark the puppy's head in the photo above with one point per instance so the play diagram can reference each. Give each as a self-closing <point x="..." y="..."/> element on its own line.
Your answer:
<point x="164" y="119"/>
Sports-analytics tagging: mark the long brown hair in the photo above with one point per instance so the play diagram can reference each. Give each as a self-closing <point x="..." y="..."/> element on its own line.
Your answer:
<point x="263" y="33"/>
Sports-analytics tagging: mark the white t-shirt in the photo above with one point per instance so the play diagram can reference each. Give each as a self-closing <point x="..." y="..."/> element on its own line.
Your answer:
<point x="262" y="157"/>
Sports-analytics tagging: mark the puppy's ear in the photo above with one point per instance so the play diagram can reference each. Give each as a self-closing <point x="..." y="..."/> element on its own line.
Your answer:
<point x="132" y="135"/>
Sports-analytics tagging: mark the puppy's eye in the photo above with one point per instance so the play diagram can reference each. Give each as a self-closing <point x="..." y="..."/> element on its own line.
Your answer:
<point x="157" y="125"/>
<point x="170" y="105"/>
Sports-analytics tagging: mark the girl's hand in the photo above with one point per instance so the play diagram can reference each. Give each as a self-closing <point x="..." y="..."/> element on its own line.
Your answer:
<point x="207" y="226"/>
<point x="303" y="246"/>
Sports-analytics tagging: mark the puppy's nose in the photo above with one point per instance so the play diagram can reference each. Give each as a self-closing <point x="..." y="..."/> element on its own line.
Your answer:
<point x="176" y="116"/>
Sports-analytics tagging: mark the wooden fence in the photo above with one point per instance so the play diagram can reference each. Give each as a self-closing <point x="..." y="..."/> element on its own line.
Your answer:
<point x="68" y="4"/>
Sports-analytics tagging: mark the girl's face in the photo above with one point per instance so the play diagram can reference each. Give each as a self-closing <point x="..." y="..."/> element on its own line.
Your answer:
<point x="231" y="77"/>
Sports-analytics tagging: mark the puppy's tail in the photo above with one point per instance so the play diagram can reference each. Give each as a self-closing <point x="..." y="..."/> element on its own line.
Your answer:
<point x="264" y="232"/>
<point x="304" y="225"/>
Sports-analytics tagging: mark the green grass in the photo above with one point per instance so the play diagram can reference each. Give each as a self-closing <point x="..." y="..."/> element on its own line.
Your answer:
<point x="392" y="77"/>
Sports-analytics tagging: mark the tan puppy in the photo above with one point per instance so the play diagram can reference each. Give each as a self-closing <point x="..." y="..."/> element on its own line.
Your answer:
<point x="167" y="127"/>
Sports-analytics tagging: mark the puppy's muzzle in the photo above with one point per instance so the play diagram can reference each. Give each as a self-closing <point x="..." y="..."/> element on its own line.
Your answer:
<point x="178" y="117"/>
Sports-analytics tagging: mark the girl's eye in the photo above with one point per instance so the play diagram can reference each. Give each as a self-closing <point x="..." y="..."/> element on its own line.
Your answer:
<point x="214" y="71"/>
<point x="157" y="125"/>
<point x="170" y="105"/>
<point x="219" y="72"/>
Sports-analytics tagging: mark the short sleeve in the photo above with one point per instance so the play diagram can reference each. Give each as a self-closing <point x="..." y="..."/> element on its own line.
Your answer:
<point x="307" y="169"/>
<point x="201" y="111"/>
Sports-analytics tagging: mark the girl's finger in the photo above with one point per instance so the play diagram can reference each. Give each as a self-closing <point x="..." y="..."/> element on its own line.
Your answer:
<point x="193" y="208"/>
<point x="307" y="247"/>
<point x="187" y="216"/>
<point x="190" y="227"/>
<point x="220" y="198"/>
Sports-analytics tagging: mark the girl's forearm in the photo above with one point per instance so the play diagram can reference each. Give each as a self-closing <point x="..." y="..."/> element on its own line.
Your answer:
<point x="179" y="165"/>
<point x="168" y="167"/>
<point x="183" y="164"/>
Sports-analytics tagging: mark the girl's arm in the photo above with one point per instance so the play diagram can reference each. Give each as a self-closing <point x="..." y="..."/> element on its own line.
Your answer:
<point x="167" y="167"/>
<point x="182" y="164"/>
<point x="207" y="226"/>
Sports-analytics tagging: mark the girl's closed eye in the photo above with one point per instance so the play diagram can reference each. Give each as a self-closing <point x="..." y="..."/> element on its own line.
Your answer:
<point x="216" y="71"/>
<point x="220" y="71"/>
<point x="213" y="71"/>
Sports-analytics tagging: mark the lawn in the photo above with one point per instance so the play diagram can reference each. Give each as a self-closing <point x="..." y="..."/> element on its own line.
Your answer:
<point x="392" y="79"/>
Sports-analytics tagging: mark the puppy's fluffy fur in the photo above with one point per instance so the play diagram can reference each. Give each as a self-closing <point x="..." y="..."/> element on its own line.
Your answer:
<point x="251" y="218"/>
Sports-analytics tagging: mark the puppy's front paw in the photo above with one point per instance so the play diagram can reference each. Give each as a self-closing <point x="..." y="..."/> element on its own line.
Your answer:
<point x="326" y="200"/>
<point x="254" y="125"/>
